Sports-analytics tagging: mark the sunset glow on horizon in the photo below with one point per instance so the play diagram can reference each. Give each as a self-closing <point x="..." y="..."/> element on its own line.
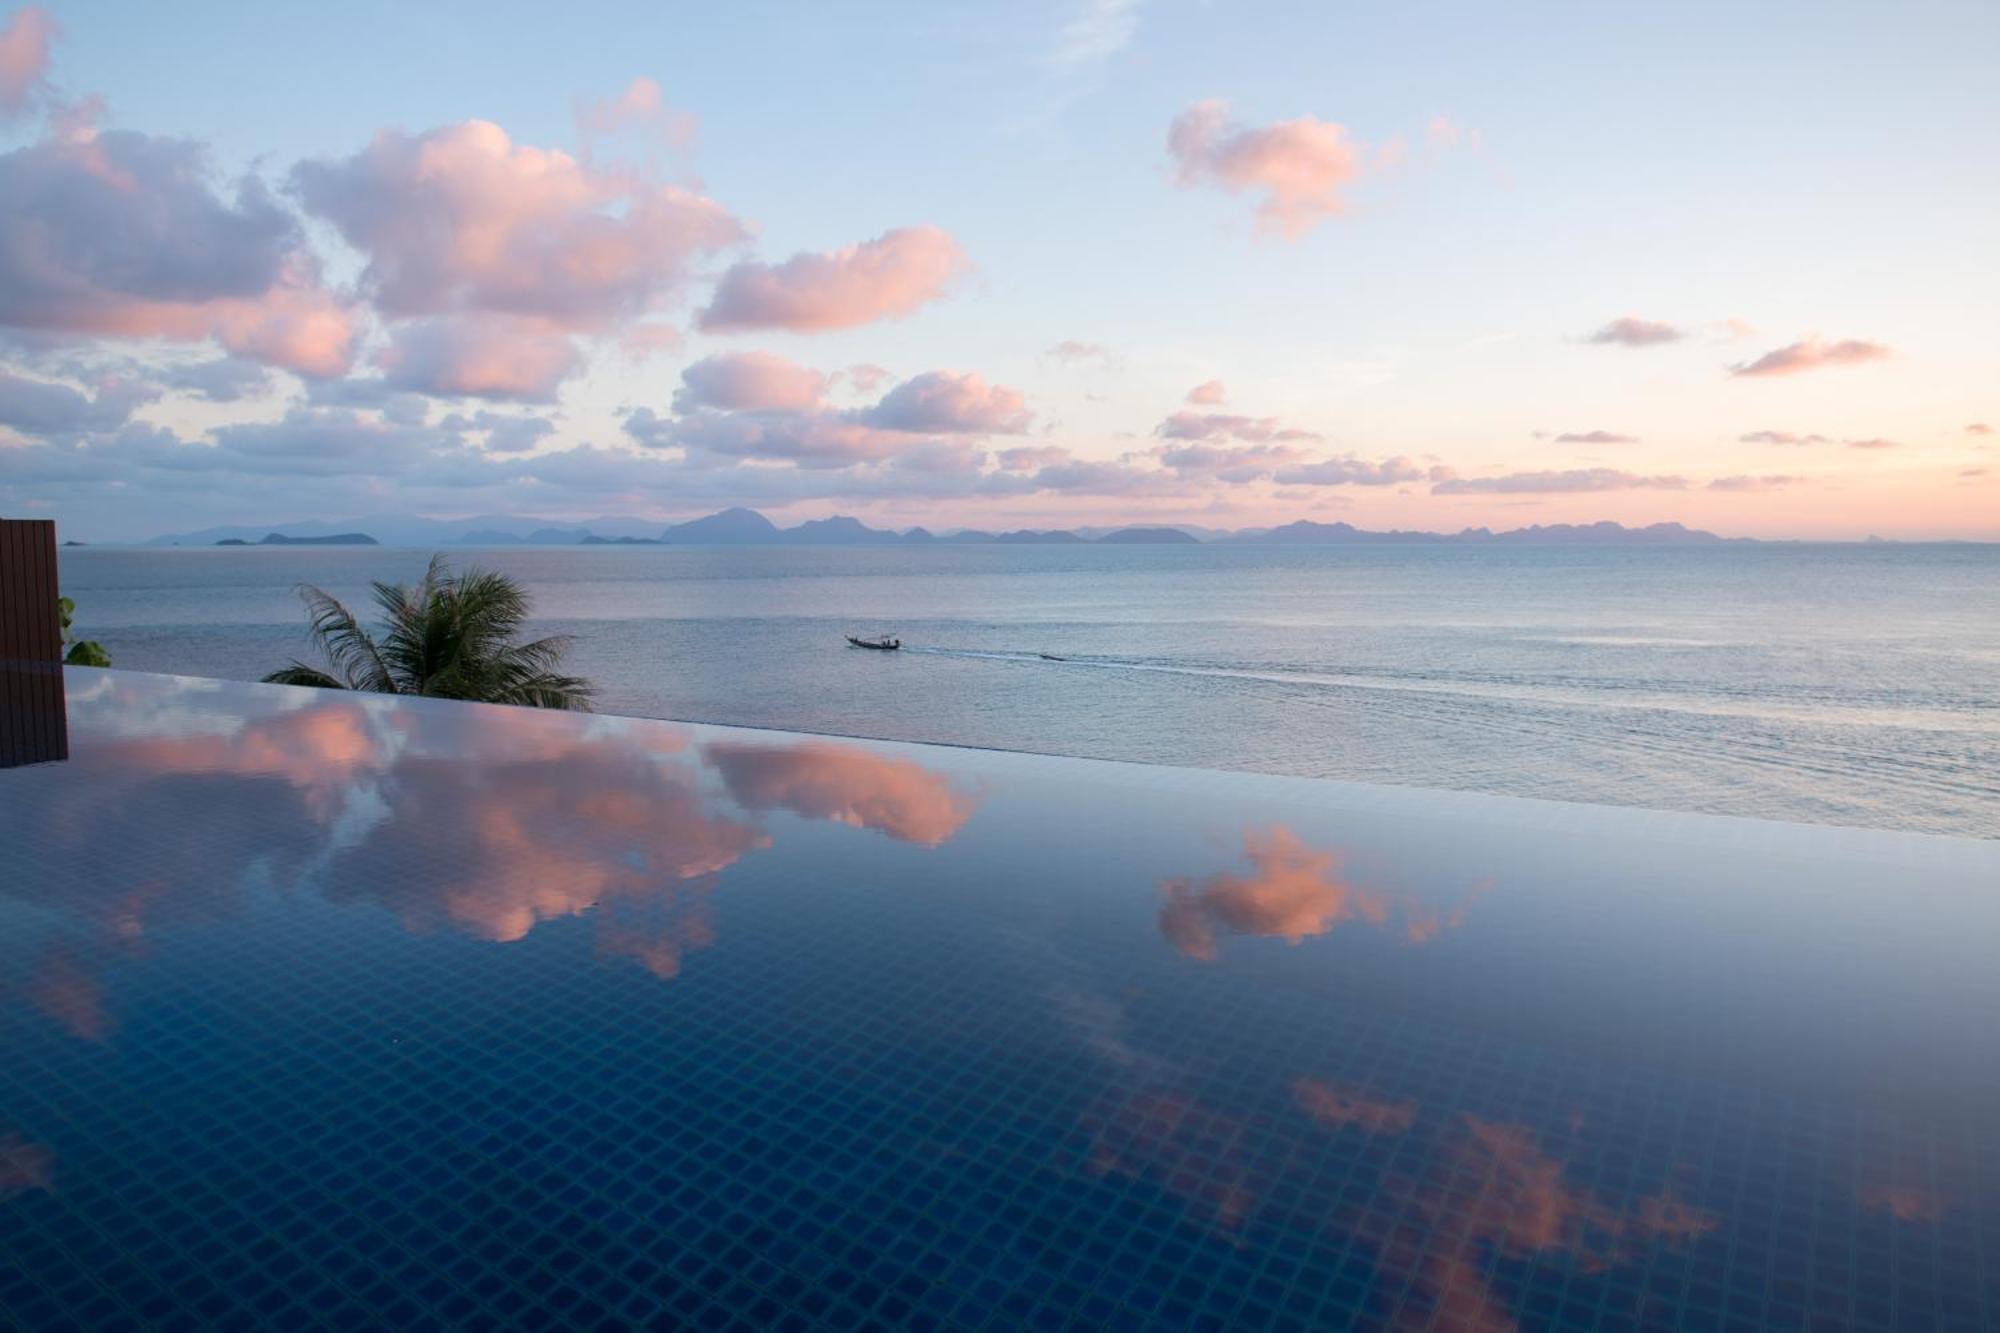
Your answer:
<point x="1088" y="262"/>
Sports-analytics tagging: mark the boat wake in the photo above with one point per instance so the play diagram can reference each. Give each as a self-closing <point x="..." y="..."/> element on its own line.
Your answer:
<point x="1572" y="695"/>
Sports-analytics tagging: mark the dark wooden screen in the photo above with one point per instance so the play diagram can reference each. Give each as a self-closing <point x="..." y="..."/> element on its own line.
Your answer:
<point x="33" y="727"/>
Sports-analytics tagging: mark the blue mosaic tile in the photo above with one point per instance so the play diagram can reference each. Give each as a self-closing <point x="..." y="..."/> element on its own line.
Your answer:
<point x="337" y="1013"/>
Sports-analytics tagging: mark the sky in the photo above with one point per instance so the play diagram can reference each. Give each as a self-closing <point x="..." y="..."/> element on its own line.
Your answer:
<point x="1053" y="264"/>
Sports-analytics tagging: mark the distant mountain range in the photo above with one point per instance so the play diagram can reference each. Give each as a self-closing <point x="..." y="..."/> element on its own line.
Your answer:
<point x="280" y="539"/>
<point x="747" y="527"/>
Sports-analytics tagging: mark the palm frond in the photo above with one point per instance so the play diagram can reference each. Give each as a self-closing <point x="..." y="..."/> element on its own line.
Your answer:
<point x="298" y="673"/>
<point x="449" y="636"/>
<point x="348" y="647"/>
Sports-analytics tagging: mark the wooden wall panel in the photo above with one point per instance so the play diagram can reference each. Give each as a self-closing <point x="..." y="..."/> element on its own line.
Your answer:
<point x="33" y="725"/>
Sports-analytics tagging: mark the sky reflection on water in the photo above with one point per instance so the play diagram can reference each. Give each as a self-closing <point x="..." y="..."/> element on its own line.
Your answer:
<point x="859" y="1030"/>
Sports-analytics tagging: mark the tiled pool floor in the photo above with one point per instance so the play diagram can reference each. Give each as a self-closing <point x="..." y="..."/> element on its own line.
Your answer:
<point x="325" y="1011"/>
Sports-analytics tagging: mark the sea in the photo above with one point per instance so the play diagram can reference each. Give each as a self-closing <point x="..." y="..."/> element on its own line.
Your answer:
<point x="1840" y="684"/>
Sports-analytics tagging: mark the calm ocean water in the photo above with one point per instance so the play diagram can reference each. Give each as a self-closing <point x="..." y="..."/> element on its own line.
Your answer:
<point x="1834" y="684"/>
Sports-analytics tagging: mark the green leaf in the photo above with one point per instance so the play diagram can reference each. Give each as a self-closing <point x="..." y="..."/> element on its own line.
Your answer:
<point x="449" y="636"/>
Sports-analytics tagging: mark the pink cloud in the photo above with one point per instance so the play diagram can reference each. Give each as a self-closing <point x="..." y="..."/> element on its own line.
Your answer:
<point x="1780" y="437"/>
<point x="1979" y="428"/>
<point x="766" y="408"/>
<point x="1444" y="132"/>
<point x="1072" y="353"/>
<point x="886" y="278"/>
<point x="1596" y="437"/>
<point x="1220" y="425"/>
<point x="644" y="340"/>
<point x="550" y="826"/>
<point x="1811" y="354"/>
<point x="1763" y="483"/>
<point x="1182" y="1146"/>
<point x="809" y="439"/>
<point x="641" y="108"/>
<point x="462" y="219"/>
<point x="1631" y="331"/>
<point x="489" y="356"/>
<point x="1354" y="472"/>
<point x="1030" y="458"/>
<point x="846" y="784"/>
<point x="750" y="382"/>
<point x="1229" y="462"/>
<point x="1552" y="483"/>
<point x="24" y="1165"/>
<point x="1875" y="443"/>
<point x="121" y="234"/>
<point x="24" y="57"/>
<point x="1338" y="1107"/>
<point x="1210" y="394"/>
<point x="1301" y="166"/>
<point x="1905" y="1203"/>
<point x="1291" y="892"/>
<point x="947" y="402"/>
<point x="866" y="376"/>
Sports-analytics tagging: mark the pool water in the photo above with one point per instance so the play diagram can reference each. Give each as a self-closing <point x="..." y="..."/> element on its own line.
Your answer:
<point x="330" y="1011"/>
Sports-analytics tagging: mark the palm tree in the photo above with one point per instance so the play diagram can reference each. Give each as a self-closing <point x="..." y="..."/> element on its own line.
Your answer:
<point x="449" y="637"/>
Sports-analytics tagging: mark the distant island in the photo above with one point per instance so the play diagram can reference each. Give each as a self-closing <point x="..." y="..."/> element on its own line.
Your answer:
<point x="1149" y="537"/>
<point x="747" y="527"/>
<point x="280" y="539"/>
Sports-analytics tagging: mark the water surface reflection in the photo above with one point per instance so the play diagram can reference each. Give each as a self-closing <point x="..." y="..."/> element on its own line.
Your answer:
<point x="965" y="1038"/>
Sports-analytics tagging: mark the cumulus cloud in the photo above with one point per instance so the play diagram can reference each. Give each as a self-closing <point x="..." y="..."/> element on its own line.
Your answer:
<point x="845" y="784"/>
<point x="758" y="406"/>
<point x="1355" y="472"/>
<point x="866" y="376"/>
<point x="1096" y="31"/>
<point x="223" y="380"/>
<point x="1596" y="437"/>
<point x="1780" y="437"/>
<point x="1232" y="463"/>
<point x="1223" y="426"/>
<point x="945" y="402"/>
<point x="479" y="356"/>
<point x="503" y="433"/>
<point x="119" y="233"/>
<point x="1292" y="891"/>
<point x="749" y="382"/>
<point x="809" y="439"/>
<point x="48" y="410"/>
<point x="550" y="826"/>
<point x="1551" y="483"/>
<point x="1631" y="331"/>
<point x="1029" y="458"/>
<point x="309" y="441"/>
<point x="1811" y="354"/>
<point x="1072" y="353"/>
<point x="1763" y="483"/>
<point x="1299" y="166"/>
<point x="1339" y="1107"/>
<point x="1209" y="394"/>
<point x="24" y="57"/>
<point x="462" y="219"/>
<point x="639" y="109"/>
<point x="886" y="278"/>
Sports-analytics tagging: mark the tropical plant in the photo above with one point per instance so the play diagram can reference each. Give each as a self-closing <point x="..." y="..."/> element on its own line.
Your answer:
<point x="82" y="652"/>
<point x="451" y="636"/>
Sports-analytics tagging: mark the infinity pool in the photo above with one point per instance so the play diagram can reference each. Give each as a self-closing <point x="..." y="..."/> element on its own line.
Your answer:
<point x="332" y="1011"/>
